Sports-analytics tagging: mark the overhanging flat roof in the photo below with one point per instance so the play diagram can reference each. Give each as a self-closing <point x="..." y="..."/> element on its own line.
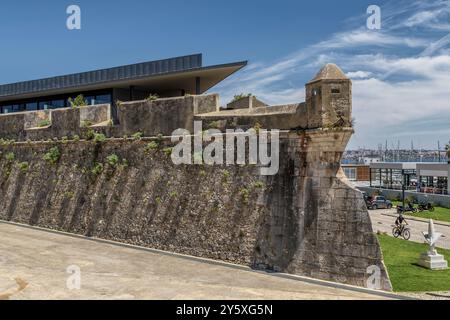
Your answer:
<point x="411" y="166"/>
<point x="394" y="165"/>
<point x="169" y="74"/>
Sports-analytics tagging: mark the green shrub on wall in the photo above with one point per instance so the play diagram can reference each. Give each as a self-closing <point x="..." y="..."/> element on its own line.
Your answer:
<point x="79" y="101"/>
<point x="240" y="96"/>
<point x="99" y="137"/>
<point x="151" y="146"/>
<point x="113" y="160"/>
<point x="137" y="136"/>
<point x="152" y="97"/>
<point x="168" y="151"/>
<point x="10" y="156"/>
<point x="23" y="166"/>
<point x="53" y="155"/>
<point x="89" y="134"/>
<point x="245" y="193"/>
<point x="44" y="123"/>
<point x="86" y="123"/>
<point x="97" y="169"/>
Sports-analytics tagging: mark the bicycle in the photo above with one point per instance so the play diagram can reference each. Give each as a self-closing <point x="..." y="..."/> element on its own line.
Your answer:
<point x="401" y="231"/>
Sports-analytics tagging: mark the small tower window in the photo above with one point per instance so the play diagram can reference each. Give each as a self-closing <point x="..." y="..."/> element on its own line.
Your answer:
<point x="335" y="90"/>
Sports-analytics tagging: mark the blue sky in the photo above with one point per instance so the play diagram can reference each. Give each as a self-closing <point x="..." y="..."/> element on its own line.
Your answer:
<point x="401" y="73"/>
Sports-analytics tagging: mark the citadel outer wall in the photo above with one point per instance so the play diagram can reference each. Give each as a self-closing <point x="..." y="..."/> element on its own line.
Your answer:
<point x="305" y="220"/>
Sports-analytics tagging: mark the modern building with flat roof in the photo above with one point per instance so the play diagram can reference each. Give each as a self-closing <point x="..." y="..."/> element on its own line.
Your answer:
<point x="418" y="176"/>
<point x="166" y="78"/>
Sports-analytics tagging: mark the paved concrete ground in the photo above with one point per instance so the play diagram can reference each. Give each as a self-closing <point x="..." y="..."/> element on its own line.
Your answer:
<point x="33" y="265"/>
<point x="383" y="220"/>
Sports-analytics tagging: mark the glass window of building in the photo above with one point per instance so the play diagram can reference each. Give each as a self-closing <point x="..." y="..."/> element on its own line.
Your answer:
<point x="16" y="108"/>
<point x="90" y="100"/>
<point x="45" y="105"/>
<point x="58" y="104"/>
<point x="350" y="173"/>
<point x="32" y="106"/>
<point x="103" y="99"/>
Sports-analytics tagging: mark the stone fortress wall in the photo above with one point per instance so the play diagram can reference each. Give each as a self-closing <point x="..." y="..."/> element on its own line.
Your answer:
<point x="305" y="220"/>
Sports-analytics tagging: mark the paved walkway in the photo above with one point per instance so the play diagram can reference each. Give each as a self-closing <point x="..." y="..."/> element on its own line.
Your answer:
<point x="383" y="221"/>
<point x="33" y="265"/>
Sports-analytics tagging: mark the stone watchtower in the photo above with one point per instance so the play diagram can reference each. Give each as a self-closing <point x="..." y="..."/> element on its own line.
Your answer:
<point x="329" y="99"/>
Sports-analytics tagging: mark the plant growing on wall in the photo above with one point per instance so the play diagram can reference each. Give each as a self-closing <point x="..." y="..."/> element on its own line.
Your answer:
<point x="53" y="155"/>
<point x="86" y="123"/>
<point x="44" y="123"/>
<point x="173" y="194"/>
<point x="168" y="151"/>
<point x="151" y="146"/>
<point x="240" y="96"/>
<point x="137" y="135"/>
<point x="214" y="125"/>
<point x="97" y="169"/>
<point x="10" y="157"/>
<point x="89" y="134"/>
<point x="23" y="166"/>
<point x="226" y="174"/>
<point x="152" y="97"/>
<point x="113" y="160"/>
<point x="245" y="193"/>
<point x="79" y="101"/>
<point x="258" y="184"/>
<point x="99" y="137"/>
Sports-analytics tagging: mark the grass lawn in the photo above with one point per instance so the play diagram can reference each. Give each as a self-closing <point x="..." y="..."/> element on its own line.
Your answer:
<point x="439" y="213"/>
<point x="401" y="256"/>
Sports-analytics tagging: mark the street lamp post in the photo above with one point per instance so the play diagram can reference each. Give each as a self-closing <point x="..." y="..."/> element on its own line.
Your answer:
<point x="406" y="179"/>
<point x="403" y="190"/>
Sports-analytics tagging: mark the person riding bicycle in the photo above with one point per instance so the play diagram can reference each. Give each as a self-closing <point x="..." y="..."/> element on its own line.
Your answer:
<point x="400" y="222"/>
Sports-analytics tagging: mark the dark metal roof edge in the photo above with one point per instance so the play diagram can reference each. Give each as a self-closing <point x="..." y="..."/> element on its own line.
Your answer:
<point x="225" y="65"/>
<point x="106" y="69"/>
<point x="240" y="64"/>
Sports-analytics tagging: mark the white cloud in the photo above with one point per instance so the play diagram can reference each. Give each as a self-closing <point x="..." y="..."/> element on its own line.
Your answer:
<point x="422" y="17"/>
<point x="359" y="74"/>
<point x="364" y="37"/>
<point x="430" y="18"/>
<point x="383" y="109"/>
<point x="437" y="46"/>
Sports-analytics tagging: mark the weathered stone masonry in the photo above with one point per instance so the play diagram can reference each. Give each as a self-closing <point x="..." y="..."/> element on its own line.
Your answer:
<point x="305" y="220"/>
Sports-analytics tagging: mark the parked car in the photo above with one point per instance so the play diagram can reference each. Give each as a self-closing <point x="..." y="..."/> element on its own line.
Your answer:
<point x="380" y="202"/>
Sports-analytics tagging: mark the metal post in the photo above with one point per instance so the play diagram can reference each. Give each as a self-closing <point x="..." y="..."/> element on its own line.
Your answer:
<point x="131" y="93"/>
<point x="197" y="86"/>
<point x="381" y="178"/>
<point x="403" y="190"/>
